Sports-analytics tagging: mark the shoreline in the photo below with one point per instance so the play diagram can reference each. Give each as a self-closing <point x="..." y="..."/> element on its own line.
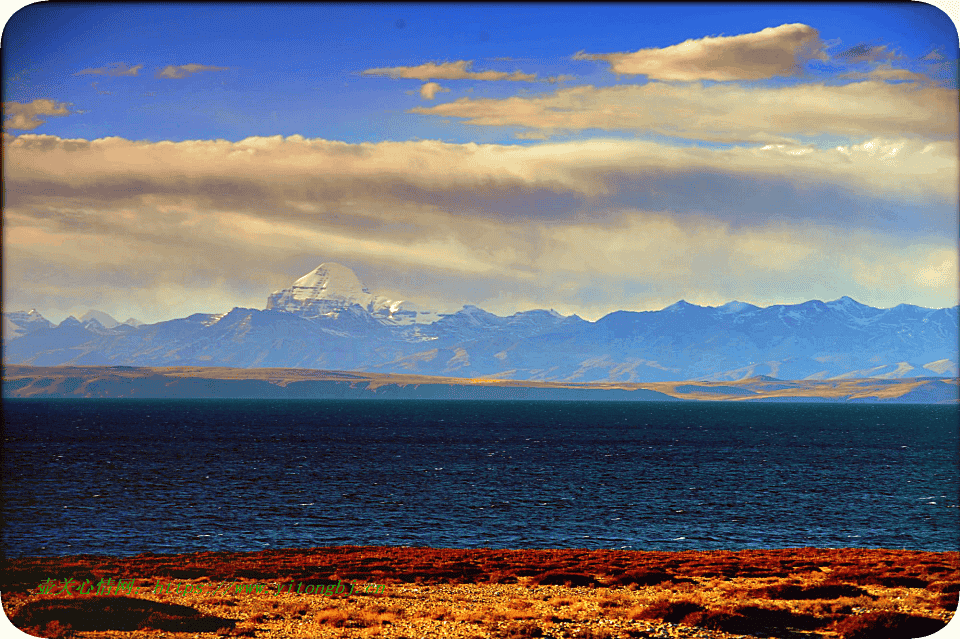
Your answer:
<point x="428" y="592"/>
<point x="22" y="381"/>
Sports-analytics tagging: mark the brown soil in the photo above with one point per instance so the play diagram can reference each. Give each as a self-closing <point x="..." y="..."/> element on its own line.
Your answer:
<point x="588" y="594"/>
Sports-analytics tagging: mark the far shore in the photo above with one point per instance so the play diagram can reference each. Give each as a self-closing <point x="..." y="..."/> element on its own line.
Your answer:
<point x="22" y="381"/>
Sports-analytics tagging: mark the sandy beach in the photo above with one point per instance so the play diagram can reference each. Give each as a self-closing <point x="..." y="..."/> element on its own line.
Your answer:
<point x="422" y="592"/>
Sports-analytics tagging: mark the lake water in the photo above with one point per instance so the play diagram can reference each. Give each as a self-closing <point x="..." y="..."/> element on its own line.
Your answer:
<point x="127" y="476"/>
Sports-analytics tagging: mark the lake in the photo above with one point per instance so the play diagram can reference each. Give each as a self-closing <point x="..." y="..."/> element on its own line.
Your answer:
<point x="121" y="477"/>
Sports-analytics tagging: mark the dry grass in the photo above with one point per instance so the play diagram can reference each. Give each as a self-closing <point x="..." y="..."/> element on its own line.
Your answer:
<point x="560" y="578"/>
<point x="443" y="613"/>
<point x="521" y="630"/>
<point x="891" y="625"/>
<point x="670" y="610"/>
<point x="511" y="593"/>
<point x="614" y="600"/>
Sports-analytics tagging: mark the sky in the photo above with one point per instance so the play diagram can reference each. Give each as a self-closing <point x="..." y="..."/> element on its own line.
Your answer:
<point x="164" y="160"/>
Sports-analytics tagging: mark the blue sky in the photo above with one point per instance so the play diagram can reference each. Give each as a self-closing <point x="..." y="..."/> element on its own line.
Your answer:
<point x="583" y="158"/>
<point x="296" y="69"/>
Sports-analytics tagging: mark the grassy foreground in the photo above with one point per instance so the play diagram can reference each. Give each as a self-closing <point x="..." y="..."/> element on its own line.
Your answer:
<point x="425" y="592"/>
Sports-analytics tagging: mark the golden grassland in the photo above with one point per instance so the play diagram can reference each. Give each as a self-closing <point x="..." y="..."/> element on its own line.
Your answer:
<point x="588" y="594"/>
<point x="104" y="381"/>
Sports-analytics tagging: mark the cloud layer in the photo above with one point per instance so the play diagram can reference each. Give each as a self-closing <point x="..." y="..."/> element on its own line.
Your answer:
<point x="768" y="167"/>
<point x="582" y="227"/>
<point x="776" y="51"/>
<point x="724" y="112"/>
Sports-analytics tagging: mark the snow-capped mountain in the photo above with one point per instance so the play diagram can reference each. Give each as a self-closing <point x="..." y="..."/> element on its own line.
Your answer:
<point x="329" y="319"/>
<point x="103" y="318"/>
<point x="331" y="289"/>
<point x="19" y="323"/>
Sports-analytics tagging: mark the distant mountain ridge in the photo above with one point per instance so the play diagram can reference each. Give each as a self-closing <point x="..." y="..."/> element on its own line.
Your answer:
<point x="328" y="319"/>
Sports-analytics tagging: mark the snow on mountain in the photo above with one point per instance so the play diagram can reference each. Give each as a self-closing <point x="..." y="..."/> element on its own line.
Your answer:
<point x="329" y="287"/>
<point x="680" y="306"/>
<point x="332" y="288"/>
<point x="93" y="324"/>
<point x="736" y="307"/>
<point x="104" y="319"/>
<point x="19" y="323"/>
<point x="402" y="313"/>
<point x="329" y="319"/>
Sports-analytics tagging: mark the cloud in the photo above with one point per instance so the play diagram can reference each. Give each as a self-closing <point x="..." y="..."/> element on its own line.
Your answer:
<point x="864" y="52"/>
<point x="583" y="227"/>
<point x="539" y="182"/>
<point x="24" y="116"/>
<point x="887" y="71"/>
<point x="775" y="51"/>
<point x="184" y="70"/>
<point x="459" y="70"/>
<point x="115" y="69"/>
<point x="429" y="90"/>
<point x="940" y="271"/>
<point x="723" y="112"/>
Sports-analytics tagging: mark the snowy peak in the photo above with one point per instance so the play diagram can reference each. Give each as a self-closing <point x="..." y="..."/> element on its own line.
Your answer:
<point x="19" y="323"/>
<point x="476" y="316"/>
<point x="331" y="289"/>
<point x="103" y="319"/>
<point x="327" y="289"/>
<point x="681" y="306"/>
<point x="332" y="281"/>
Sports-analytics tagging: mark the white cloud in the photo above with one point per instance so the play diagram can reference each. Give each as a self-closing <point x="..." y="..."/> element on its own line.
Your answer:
<point x="776" y="51"/>
<point x="185" y="70"/>
<point x="115" y="69"/>
<point x="459" y="70"/>
<point x="429" y="90"/>
<point x="940" y="271"/>
<point x="25" y="116"/>
<point x="724" y="112"/>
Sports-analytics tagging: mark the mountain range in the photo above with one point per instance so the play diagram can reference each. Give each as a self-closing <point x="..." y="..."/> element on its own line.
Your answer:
<point x="328" y="319"/>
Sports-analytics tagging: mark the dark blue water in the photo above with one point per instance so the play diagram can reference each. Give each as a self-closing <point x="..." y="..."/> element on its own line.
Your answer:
<point x="127" y="476"/>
